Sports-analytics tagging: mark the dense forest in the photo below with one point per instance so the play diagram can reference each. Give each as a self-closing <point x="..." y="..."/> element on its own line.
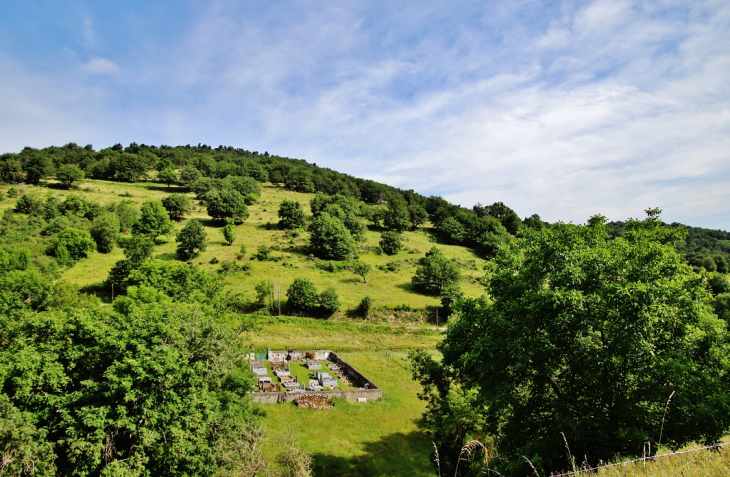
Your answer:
<point x="155" y="382"/>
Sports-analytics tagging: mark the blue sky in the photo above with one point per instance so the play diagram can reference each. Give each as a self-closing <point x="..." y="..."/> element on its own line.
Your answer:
<point x="564" y="108"/>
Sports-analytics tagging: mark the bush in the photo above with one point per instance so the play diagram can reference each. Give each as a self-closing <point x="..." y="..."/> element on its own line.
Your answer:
<point x="390" y="242"/>
<point x="229" y="231"/>
<point x="177" y="206"/>
<point x="302" y="295"/>
<point x="330" y="238"/>
<point x="76" y="242"/>
<point x="192" y="240"/>
<point x="105" y="232"/>
<point x="329" y="301"/>
<point x="262" y="252"/>
<point x="291" y="215"/>
<point x="435" y="272"/>
<point x="363" y="309"/>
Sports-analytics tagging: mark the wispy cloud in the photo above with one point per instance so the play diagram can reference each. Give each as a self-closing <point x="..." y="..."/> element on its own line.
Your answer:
<point x="565" y="109"/>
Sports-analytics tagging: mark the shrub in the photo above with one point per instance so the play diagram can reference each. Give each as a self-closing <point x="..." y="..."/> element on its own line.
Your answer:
<point x="262" y="252"/>
<point x="329" y="301"/>
<point x="390" y="242"/>
<point x="435" y="272"/>
<point x="291" y="215"/>
<point x="76" y="242"/>
<point x="366" y="304"/>
<point x="302" y="295"/>
<point x="192" y="240"/>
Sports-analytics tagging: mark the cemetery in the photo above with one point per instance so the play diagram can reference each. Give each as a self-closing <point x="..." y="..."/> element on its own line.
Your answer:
<point x="309" y="377"/>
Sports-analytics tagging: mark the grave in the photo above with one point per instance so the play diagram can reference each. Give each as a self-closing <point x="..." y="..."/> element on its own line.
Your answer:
<point x="330" y="376"/>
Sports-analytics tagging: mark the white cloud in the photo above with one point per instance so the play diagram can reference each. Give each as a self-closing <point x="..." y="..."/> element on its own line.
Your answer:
<point x="101" y="66"/>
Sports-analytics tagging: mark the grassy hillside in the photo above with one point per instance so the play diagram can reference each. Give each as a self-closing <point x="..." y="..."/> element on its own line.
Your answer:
<point x="387" y="288"/>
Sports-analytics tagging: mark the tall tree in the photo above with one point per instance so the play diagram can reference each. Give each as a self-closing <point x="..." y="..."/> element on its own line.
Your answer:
<point x="585" y="341"/>
<point x="153" y="220"/>
<point x="192" y="240"/>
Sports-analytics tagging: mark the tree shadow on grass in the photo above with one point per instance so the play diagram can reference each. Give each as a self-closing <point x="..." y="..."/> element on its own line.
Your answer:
<point x="409" y="287"/>
<point x="164" y="188"/>
<point x="391" y="455"/>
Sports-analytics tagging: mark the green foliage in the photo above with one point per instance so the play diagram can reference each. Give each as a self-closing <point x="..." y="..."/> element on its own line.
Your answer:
<point x="177" y="206"/>
<point x="226" y="203"/>
<point x="329" y="301"/>
<point x="76" y="242"/>
<point x="153" y="220"/>
<point x="364" y="307"/>
<point x="450" y="297"/>
<point x="506" y="216"/>
<point x="189" y="175"/>
<point x="417" y="214"/>
<point x="721" y="304"/>
<point x="291" y="215"/>
<point x="105" y="232"/>
<point x="29" y="204"/>
<point x="397" y="216"/>
<point x="302" y="295"/>
<point x="177" y="280"/>
<point x="534" y="222"/>
<point x="127" y="214"/>
<point x="229" y="231"/>
<point x="453" y="416"/>
<point x="390" y="242"/>
<point x="589" y="337"/>
<point x="168" y="176"/>
<point x="718" y="283"/>
<point x="163" y="391"/>
<point x="67" y="174"/>
<point x="262" y="252"/>
<point x="435" y="272"/>
<point x="362" y="269"/>
<point x="246" y="186"/>
<point x="192" y="240"/>
<point x="330" y="239"/>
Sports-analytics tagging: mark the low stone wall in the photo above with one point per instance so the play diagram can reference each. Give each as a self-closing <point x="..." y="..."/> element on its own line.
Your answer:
<point x="279" y="356"/>
<point x="349" y="394"/>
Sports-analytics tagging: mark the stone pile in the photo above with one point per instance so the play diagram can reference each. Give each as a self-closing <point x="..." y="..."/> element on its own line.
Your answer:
<point x="315" y="401"/>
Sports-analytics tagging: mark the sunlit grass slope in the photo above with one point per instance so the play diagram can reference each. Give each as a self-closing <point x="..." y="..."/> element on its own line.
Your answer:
<point x="386" y="288"/>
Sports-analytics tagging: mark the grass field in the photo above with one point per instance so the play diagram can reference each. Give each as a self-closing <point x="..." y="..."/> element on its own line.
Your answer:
<point x="339" y="336"/>
<point x="376" y="438"/>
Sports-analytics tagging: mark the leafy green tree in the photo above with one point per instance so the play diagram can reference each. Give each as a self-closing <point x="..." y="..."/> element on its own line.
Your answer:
<point x="192" y="240"/>
<point x="164" y="391"/>
<point x="329" y="302"/>
<point x="189" y="175"/>
<point x="436" y="272"/>
<point x="77" y="242"/>
<point x="138" y="248"/>
<point x="177" y="206"/>
<point x="506" y="216"/>
<point x="534" y="222"/>
<point x="68" y="174"/>
<point x="178" y="280"/>
<point x="302" y="295"/>
<point x="226" y="203"/>
<point x="243" y="185"/>
<point x="589" y="337"/>
<point x="330" y="238"/>
<point x="229" y="231"/>
<point x="397" y="216"/>
<point x="11" y="171"/>
<point x="36" y="164"/>
<point x="453" y="230"/>
<point x="29" y="204"/>
<point x="417" y="214"/>
<point x="127" y="214"/>
<point x="168" y="176"/>
<point x="362" y="269"/>
<point x="105" y="232"/>
<point x="291" y="215"/>
<point x="153" y="220"/>
<point x="390" y="242"/>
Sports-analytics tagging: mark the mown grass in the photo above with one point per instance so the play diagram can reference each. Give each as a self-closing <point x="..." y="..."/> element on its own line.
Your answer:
<point x="339" y="336"/>
<point x="375" y="438"/>
<point x="388" y="289"/>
